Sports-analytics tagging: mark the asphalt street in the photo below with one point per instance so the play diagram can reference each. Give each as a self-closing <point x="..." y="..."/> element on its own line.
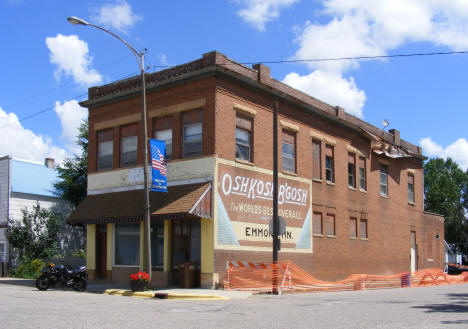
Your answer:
<point x="431" y="307"/>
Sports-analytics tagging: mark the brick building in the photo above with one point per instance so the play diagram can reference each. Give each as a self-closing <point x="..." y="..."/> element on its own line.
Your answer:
<point x="351" y="195"/>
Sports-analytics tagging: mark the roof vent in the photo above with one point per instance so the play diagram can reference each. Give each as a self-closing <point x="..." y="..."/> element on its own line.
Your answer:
<point x="49" y="163"/>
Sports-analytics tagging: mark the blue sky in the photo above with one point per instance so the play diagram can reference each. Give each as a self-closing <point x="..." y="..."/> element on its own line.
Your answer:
<point x="47" y="62"/>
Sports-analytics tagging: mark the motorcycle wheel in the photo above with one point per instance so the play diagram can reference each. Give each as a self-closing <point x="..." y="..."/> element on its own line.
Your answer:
<point x="79" y="284"/>
<point x="42" y="283"/>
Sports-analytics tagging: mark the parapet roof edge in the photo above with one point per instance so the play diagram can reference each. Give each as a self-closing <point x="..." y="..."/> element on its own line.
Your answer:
<point x="98" y="95"/>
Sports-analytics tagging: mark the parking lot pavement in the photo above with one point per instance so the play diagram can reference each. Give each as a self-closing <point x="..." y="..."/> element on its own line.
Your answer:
<point x="23" y="306"/>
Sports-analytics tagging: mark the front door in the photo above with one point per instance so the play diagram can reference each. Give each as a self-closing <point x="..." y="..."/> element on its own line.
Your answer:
<point x="101" y="252"/>
<point x="186" y="246"/>
<point x="413" y="252"/>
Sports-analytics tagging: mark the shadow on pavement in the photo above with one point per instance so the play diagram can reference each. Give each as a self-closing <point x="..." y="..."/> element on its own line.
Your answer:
<point x="18" y="282"/>
<point x="458" y="304"/>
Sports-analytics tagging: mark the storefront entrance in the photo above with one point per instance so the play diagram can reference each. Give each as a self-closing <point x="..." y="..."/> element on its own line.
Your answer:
<point x="101" y="251"/>
<point x="186" y="247"/>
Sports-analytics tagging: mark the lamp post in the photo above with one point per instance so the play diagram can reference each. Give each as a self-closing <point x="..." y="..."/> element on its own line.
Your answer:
<point x="140" y="57"/>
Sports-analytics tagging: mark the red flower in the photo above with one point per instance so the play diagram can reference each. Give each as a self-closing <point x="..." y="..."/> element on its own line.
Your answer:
<point x="140" y="276"/>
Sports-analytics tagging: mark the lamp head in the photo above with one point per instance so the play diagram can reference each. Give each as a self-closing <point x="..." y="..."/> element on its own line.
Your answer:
<point x="77" y="21"/>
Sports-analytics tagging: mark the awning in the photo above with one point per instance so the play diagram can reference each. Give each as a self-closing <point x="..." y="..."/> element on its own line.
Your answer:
<point x="126" y="207"/>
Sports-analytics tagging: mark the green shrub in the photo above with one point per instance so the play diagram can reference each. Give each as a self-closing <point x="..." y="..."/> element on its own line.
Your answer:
<point x="29" y="269"/>
<point x="80" y="253"/>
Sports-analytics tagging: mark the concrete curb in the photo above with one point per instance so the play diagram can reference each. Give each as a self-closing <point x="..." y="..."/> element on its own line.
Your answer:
<point x="155" y="294"/>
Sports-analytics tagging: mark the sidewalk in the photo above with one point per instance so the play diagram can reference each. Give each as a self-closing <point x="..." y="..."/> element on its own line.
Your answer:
<point x="123" y="290"/>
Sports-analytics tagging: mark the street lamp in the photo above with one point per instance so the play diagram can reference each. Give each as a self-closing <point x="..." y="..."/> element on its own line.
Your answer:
<point x="140" y="57"/>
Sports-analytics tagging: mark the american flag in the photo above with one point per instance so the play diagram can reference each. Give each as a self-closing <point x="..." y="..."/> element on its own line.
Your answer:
<point x="157" y="160"/>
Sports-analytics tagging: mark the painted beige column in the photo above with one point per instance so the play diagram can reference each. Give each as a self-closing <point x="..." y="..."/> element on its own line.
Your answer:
<point x="208" y="279"/>
<point x="110" y="236"/>
<point x="91" y="251"/>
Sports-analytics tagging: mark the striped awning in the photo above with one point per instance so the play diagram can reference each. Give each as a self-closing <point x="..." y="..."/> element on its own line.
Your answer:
<point x="180" y="202"/>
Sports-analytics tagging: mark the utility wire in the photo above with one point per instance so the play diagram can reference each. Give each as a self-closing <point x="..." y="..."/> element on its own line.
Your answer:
<point x="53" y="107"/>
<point x="335" y="59"/>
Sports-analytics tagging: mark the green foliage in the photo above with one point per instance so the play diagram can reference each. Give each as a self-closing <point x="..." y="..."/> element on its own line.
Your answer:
<point x="29" y="269"/>
<point x="446" y="193"/>
<point x="36" y="236"/>
<point x="80" y="253"/>
<point x="72" y="174"/>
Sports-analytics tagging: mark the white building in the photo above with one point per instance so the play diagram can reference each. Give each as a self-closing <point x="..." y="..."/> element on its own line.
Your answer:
<point x="23" y="183"/>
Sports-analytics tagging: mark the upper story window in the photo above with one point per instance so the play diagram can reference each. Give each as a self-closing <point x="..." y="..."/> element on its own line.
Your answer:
<point x="163" y="132"/>
<point x="243" y="137"/>
<point x="363" y="228"/>
<point x="362" y="173"/>
<point x="383" y="179"/>
<point x="329" y="164"/>
<point x="351" y="170"/>
<point x="105" y="150"/>
<point x="318" y="225"/>
<point x="410" y="188"/>
<point x="330" y="224"/>
<point x="288" y="151"/>
<point x="128" y="145"/>
<point x="316" y="159"/>
<point x="192" y="133"/>
<point x="353" y="227"/>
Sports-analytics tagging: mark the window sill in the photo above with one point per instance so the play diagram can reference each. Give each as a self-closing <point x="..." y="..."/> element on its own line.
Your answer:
<point x="364" y="239"/>
<point x="330" y="183"/>
<point x="318" y="235"/>
<point x="317" y="180"/>
<point x="352" y="188"/>
<point x="353" y="238"/>
<point x="290" y="173"/>
<point x="331" y="236"/>
<point x="362" y="191"/>
<point x="411" y="203"/>
<point x="384" y="196"/>
<point x="245" y="162"/>
<point x="430" y="260"/>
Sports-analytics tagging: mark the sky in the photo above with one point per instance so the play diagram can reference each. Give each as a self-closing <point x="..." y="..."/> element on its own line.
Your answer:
<point x="47" y="64"/>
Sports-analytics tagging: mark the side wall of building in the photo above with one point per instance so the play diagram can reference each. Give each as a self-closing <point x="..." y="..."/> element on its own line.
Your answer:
<point x="390" y="219"/>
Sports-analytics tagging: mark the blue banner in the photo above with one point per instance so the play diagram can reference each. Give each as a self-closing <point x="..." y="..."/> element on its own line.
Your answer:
<point x="158" y="166"/>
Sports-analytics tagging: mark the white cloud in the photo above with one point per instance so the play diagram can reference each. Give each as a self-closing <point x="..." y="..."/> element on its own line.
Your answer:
<point x="458" y="150"/>
<point x="259" y="12"/>
<point x="331" y="88"/>
<point x="117" y="15"/>
<point x="369" y="28"/>
<point x="17" y="141"/>
<point x="71" y="55"/>
<point x="71" y="115"/>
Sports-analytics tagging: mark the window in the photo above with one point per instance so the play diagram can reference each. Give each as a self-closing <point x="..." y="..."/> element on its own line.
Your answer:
<point x="243" y="137"/>
<point x="331" y="225"/>
<point x="411" y="188"/>
<point x="2" y="252"/>
<point x="353" y="227"/>
<point x="192" y="133"/>
<point x="163" y="132"/>
<point x="318" y="227"/>
<point x="383" y="179"/>
<point x="105" y="149"/>
<point x="362" y="173"/>
<point x="288" y="151"/>
<point x="316" y="159"/>
<point x="128" y="145"/>
<point x="329" y="165"/>
<point x="157" y="243"/>
<point x="127" y="244"/>
<point x="351" y="170"/>
<point x="363" y="228"/>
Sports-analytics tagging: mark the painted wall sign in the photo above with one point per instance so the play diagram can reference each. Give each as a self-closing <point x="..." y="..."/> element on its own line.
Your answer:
<point x="245" y="207"/>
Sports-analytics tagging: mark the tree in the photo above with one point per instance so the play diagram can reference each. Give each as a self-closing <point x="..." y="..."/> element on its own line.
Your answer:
<point x="446" y="193"/>
<point x="72" y="174"/>
<point x="36" y="236"/>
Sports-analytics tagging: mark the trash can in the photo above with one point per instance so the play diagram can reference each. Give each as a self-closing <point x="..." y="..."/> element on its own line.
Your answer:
<point x="187" y="272"/>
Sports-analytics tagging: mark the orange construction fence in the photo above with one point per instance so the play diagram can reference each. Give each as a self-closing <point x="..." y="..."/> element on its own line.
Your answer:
<point x="285" y="276"/>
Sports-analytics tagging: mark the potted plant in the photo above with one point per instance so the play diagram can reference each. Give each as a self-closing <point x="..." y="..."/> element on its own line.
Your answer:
<point x="139" y="281"/>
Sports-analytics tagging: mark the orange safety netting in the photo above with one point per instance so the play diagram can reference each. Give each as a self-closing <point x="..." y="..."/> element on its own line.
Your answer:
<point x="285" y="276"/>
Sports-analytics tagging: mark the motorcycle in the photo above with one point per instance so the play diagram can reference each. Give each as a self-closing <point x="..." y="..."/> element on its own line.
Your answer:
<point x="59" y="275"/>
